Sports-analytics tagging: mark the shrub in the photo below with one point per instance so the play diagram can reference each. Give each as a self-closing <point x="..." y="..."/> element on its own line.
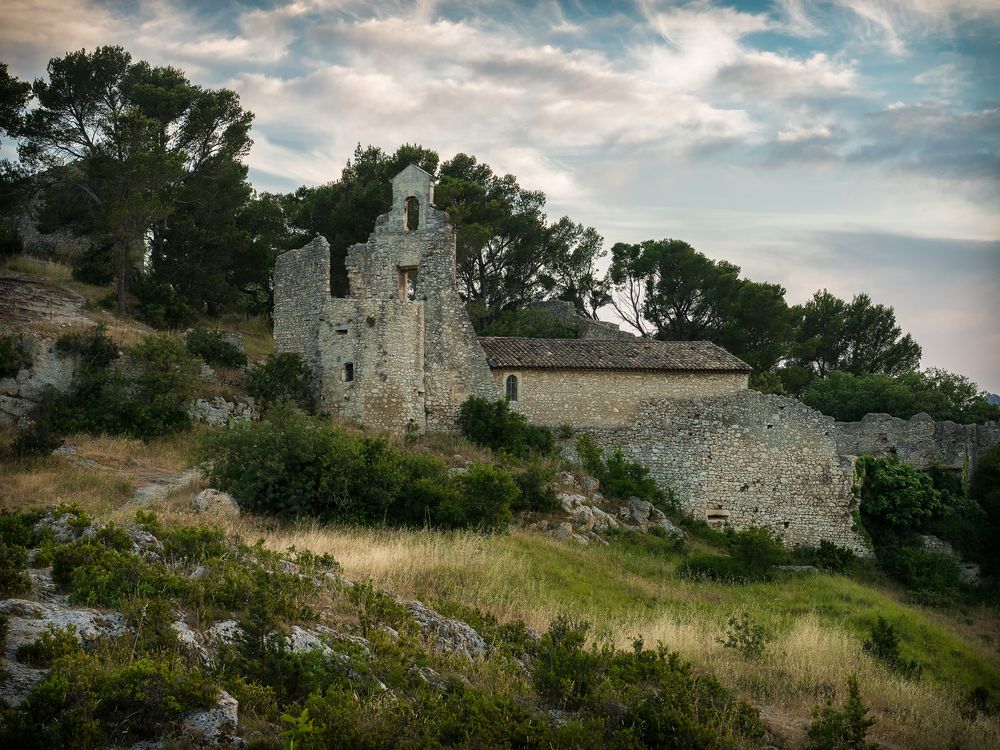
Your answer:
<point x="745" y="636"/>
<point x="534" y="483"/>
<point x="492" y="424"/>
<point x="844" y="728"/>
<point x="897" y="495"/>
<point x="934" y="577"/>
<point x="194" y="544"/>
<point x="213" y="347"/>
<point x="882" y="643"/>
<point x="827" y="556"/>
<point x="15" y="355"/>
<point x="290" y="466"/>
<point x="622" y="478"/>
<point x="146" y="398"/>
<point x="49" y="646"/>
<point x="753" y="553"/>
<point x="161" y="306"/>
<point x="483" y="500"/>
<point x="13" y="576"/>
<point x="283" y="377"/>
<point x="96" y="265"/>
<point x="532" y="323"/>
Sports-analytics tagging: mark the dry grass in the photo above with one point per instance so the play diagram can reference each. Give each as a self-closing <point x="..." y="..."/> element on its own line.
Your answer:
<point x="47" y="269"/>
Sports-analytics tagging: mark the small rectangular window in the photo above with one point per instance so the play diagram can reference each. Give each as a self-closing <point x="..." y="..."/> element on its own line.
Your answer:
<point x="349" y="372"/>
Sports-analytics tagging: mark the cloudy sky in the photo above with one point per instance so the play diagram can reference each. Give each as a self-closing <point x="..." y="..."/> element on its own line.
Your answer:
<point x="846" y="144"/>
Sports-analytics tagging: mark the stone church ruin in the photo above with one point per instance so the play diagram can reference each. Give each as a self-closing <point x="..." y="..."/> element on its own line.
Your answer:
<point x="399" y="353"/>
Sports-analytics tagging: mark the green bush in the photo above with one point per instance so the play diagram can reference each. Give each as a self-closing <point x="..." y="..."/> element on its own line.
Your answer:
<point x="145" y="398"/>
<point x="13" y="576"/>
<point x="622" y="478"/>
<point x="483" y="500"/>
<point x="212" y="347"/>
<point x="49" y="646"/>
<point x="934" y="577"/>
<point x="492" y="424"/>
<point x="535" y="486"/>
<point x="753" y="553"/>
<point x="290" y="466"/>
<point x="89" y="702"/>
<point x="747" y="637"/>
<point x="842" y="728"/>
<point x="96" y="265"/>
<point x="896" y="495"/>
<point x="882" y="644"/>
<point x="283" y="377"/>
<point x="161" y="306"/>
<point x="536" y="324"/>
<point x="93" y="346"/>
<point x="827" y="556"/>
<point x="15" y="355"/>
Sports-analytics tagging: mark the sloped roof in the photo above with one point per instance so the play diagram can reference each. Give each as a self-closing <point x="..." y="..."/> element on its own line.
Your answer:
<point x="513" y="353"/>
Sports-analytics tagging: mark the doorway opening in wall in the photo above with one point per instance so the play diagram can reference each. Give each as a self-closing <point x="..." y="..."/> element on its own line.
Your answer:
<point x="348" y="372"/>
<point x="411" y="214"/>
<point x="510" y="387"/>
<point x="408" y="283"/>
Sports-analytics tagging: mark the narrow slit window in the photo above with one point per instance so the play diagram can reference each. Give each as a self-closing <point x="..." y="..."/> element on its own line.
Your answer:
<point x="408" y="284"/>
<point x="511" y="387"/>
<point x="348" y="372"/>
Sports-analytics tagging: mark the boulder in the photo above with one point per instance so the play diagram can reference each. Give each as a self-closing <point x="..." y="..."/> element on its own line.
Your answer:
<point x="214" y="726"/>
<point x="216" y="503"/>
<point x="453" y="636"/>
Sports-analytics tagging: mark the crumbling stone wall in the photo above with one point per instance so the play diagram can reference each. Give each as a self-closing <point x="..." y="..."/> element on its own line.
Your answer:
<point x="747" y="459"/>
<point x="587" y="328"/>
<point x="918" y="441"/>
<point x="399" y="351"/>
<point x="603" y="398"/>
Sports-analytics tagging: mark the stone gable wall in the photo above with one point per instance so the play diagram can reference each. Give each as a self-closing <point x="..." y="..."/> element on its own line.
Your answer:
<point x="747" y="459"/>
<point x="414" y="360"/>
<point x="601" y="398"/>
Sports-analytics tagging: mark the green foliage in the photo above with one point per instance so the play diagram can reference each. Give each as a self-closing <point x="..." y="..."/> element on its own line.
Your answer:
<point x="15" y="354"/>
<point x="858" y="337"/>
<point x="845" y="728"/>
<point x="984" y="488"/>
<point x="13" y="576"/>
<point x="160" y="306"/>
<point x="532" y="323"/>
<point x="745" y="636"/>
<point x="93" y="346"/>
<point x="494" y="425"/>
<point x="193" y="544"/>
<point x="896" y="495"/>
<point x="827" y="556"/>
<point x="289" y="466"/>
<point x="213" y="347"/>
<point x="933" y="577"/>
<point x="146" y="398"/>
<point x="882" y="644"/>
<point x="375" y="607"/>
<point x="941" y="394"/>
<point x="485" y="494"/>
<point x="97" y="264"/>
<point x="52" y="644"/>
<point x="90" y="701"/>
<point x="283" y="377"/>
<point x="651" y="695"/>
<point x="622" y="478"/>
<point x="753" y="553"/>
<point x="535" y="487"/>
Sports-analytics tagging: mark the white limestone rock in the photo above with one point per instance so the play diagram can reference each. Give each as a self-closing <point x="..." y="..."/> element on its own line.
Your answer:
<point x="216" y="503"/>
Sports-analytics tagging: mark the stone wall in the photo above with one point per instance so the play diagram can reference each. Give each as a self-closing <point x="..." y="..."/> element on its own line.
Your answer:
<point x="747" y="459"/>
<point x="20" y="394"/>
<point x="918" y="441"/>
<point x="399" y="351"/>
<point x="587" y="328"/>
<point x="596" y="398"/>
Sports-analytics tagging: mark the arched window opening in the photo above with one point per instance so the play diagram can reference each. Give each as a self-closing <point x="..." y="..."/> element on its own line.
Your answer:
<point x="411" y="214"/>
<point x="511" y="387"/>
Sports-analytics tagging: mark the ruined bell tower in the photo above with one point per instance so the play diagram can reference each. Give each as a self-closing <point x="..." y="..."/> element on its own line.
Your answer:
<point x="399" y="352"/>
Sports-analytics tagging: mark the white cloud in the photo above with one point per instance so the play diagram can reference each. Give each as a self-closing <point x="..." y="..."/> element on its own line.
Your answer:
<point x="794" y="135"/>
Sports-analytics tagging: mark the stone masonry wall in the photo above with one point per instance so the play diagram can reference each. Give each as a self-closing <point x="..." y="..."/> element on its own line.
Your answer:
<point x="918" y="441"/>
<point x="412" y="353"/>
<point x="599" y="398"/>
<point x="747" y="459"/>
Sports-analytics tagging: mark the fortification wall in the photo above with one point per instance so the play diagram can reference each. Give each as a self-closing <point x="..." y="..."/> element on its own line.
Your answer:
<point x="747" y="459"/>
<point x="301" y="294"/>
<point x="918" y="441"/>
<point x="599" y="398"/>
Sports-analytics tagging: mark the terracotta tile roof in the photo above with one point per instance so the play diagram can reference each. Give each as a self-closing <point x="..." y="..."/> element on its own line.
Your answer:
<point x="512" y="353"/>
